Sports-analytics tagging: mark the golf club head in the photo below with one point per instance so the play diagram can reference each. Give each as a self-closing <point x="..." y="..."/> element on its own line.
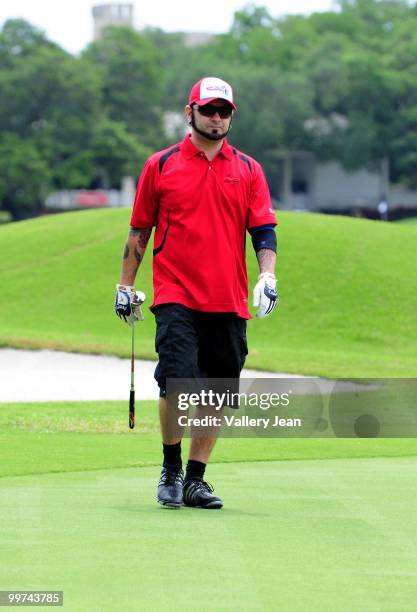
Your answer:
<point x="137" y="300"/>
<point x="138" y="297"/>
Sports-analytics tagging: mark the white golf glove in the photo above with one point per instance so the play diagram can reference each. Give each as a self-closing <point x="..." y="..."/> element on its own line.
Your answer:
<point x="265" y="295"/>
<point x="128" y="304"/>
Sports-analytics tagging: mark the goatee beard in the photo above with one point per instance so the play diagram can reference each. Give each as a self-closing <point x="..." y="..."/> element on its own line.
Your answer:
<point x="209" y="135"/>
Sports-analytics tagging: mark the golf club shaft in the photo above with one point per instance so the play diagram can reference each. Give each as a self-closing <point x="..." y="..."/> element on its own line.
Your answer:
<point x="132" y="383"/>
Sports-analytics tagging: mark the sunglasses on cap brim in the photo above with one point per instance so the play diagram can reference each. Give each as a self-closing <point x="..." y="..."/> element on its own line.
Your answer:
<point x="209" y="110"/>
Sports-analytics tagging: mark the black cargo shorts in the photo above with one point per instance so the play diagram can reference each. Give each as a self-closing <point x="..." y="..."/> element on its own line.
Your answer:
<point x="195" y="345"/>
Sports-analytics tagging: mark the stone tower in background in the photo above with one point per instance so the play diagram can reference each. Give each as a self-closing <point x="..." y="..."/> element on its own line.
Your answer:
<point x="112" y="15"/>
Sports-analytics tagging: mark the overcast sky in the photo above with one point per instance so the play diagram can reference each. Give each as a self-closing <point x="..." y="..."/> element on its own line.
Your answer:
<point x="69" y="22"/>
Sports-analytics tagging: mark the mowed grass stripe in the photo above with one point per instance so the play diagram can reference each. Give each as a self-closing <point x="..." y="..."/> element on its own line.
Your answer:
<point x="295" y="536"/>
<point x="82" y="436"/>
<point x="348" y="293"/>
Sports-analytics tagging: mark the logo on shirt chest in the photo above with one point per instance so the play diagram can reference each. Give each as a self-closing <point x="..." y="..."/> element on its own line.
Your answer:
<point x="231" y="179"/>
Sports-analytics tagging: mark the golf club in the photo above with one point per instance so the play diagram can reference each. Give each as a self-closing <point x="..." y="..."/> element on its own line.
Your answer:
<point x="137" y="299"/>
<point x="132" y="383"/>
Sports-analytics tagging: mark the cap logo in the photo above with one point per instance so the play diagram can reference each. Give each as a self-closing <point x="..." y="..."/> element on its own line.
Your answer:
<point x="211" y="87"/>
<point x="221" y="88"/>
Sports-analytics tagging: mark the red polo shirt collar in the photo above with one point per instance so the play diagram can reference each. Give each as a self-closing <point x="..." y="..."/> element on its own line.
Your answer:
<point x="188" y="149"/>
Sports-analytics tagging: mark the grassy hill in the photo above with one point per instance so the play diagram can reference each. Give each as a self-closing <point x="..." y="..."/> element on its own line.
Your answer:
<point x="348" y="288"/>
<point x="408" y="221"/>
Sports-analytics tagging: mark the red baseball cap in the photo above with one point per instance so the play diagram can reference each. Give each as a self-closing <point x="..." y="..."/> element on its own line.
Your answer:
<point x="211" y="88"/>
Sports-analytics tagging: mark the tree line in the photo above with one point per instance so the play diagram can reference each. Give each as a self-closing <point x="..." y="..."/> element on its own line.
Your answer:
<point x="341" y="84"/>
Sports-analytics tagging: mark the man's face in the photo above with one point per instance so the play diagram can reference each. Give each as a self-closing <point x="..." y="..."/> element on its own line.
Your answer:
<point x="208" y="121"/>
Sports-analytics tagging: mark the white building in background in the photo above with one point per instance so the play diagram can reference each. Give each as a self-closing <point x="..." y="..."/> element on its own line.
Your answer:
<point x="112" y="15"/>
<point x="78" y="199"/>
<point x="194" y="39"/>
<point x="301" y="182"/>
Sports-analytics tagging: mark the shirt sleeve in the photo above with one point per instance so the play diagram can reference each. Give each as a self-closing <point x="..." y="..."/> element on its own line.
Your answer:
<point x="145" y="206"/>
<point x="260" y="206"/>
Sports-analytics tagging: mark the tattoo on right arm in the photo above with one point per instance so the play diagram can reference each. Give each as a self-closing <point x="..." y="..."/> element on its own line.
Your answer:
<point x="136" y="248"/>
<point x="133" y="253"/>
<point x="144" y="236"/>
<point x="134" y="231"/>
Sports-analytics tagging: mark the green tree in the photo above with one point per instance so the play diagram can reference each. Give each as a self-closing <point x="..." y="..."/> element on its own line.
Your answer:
<point x="20" y="38"/>
<point x="249" y="18"/>
<point x="55" y="99"/>
<point x="24" y="177"/>
<point x="131" y="83"/>
<point x="116" y="153"/>
<point x="272" y="108"/>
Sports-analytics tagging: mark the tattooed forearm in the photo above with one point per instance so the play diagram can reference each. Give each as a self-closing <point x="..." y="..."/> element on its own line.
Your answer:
<point x="134" y="231"/>
<point x="266" y="259"/>
<point x="134" y="251"/>
<point x="143" y="238"/>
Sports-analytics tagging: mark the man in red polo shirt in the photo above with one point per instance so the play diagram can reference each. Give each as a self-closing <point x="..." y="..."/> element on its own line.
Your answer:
<point x="201" y="195"/>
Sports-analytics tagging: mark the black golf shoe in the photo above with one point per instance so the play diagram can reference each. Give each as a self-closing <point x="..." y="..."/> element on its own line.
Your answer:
<point x="199" y="494"/>
<point x="170" y="487"/>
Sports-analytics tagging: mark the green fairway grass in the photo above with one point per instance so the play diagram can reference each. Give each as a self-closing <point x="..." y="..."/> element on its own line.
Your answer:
<point x="305" y="536"/>
<point x="408" y="221"/>
<point x="348" y="293"/>
<point x="307" y="525"/>
<point x="75" y="436"/>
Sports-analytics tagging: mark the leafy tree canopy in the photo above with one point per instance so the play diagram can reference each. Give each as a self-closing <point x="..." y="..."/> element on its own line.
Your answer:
<point x="341" y="84"/>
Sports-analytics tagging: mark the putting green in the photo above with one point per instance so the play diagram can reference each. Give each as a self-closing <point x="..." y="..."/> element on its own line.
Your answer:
<point x="297" y="535"/>
<point x="308" y="524"/>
